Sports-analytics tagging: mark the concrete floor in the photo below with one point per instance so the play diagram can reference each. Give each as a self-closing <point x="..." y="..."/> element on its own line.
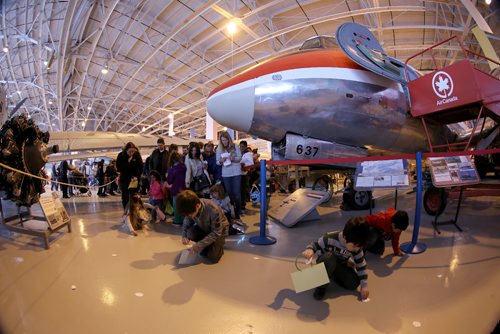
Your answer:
<point x="99" y="279"/>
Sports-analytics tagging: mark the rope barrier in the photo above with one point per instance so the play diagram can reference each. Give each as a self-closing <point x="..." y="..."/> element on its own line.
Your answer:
<point x="414" y="247"/>
<point x="381" y="157"/>
<point x="58" y="182"/>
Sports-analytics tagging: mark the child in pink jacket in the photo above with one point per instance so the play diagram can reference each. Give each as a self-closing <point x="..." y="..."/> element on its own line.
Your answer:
<point x="157" y="193"/>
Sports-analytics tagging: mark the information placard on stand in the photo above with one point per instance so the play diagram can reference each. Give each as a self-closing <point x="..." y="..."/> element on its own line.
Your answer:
<point x="381" y="174"/>
<point x="55" y="216"/>
<point x="54" y="211"/>
<point x="453" y="171"/>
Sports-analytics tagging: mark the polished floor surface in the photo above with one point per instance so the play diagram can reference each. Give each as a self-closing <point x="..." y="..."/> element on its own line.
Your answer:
<point x="99" y="279"/>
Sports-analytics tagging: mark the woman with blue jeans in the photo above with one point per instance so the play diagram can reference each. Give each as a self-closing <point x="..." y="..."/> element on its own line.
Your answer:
<point x="228" y="155"/>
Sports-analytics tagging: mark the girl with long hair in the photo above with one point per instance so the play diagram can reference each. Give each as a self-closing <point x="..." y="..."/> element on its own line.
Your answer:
<point x="228" y="155"/>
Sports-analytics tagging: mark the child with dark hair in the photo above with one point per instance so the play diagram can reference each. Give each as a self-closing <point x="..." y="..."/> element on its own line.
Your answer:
<point x="220" y="198"/>
<point x="157" y="194"/>
<point x="204" y="223"/>
<point x="386" y="225"/>
<point x="342" y="253"/>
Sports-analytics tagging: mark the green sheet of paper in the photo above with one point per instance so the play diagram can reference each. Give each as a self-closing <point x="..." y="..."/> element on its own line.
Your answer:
<point x="310" y="278"/>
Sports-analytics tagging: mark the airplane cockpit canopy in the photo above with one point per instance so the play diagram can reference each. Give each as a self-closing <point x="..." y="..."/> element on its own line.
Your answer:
<point x="320" y="42"/>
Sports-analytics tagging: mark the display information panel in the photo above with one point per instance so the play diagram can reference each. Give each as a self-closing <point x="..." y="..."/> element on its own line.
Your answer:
<point x="453" y="171"/>
<point x="381" y="174"/>
<point x="54" y="210"/>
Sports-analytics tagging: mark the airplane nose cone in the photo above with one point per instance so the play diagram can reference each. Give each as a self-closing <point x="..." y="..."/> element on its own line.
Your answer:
<point x="233" y="106"/>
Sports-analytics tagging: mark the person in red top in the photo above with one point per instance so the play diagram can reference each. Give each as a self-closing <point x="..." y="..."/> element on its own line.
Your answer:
<point x="386" y="226"/>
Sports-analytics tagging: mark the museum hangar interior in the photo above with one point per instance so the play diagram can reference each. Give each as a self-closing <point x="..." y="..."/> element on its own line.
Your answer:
<point x="95" y="75"/>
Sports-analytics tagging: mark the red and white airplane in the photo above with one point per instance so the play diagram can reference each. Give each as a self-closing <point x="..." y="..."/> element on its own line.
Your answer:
<point x="324" y="101"/>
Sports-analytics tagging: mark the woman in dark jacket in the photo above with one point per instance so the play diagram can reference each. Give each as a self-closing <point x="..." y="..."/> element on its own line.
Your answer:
<point x="100" y="178"/>
<point x="129" y="165"/>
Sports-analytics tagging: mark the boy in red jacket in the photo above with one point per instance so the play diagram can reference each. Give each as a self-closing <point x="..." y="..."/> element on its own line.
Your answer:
<point x="386" y="226"/>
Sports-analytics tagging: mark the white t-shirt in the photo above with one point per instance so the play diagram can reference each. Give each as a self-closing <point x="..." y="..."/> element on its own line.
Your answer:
<point x="246" y="160"/>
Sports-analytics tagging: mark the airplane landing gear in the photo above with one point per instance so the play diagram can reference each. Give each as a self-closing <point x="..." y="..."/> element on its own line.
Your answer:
<point x="325" y="183"/>
<point x="356" y="200"/>
<point x="434" y="201"/>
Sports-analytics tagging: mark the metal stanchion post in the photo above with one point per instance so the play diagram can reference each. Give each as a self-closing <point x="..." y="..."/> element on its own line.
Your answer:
<point x="413" y="247"/>
<point x="262" y="239"/>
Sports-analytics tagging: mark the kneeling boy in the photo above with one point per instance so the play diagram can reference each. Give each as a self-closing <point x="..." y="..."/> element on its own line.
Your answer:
<point x="204" y="223"/>
<point x="342" y="253"/>
<point x="384" y="226"/>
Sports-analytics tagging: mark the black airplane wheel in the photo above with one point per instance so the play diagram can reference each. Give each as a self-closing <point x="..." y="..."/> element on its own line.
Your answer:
<point x="434" y="201"/>
<point x="357" y="200"/>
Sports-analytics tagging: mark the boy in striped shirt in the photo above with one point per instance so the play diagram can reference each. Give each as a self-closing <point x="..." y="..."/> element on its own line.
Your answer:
<point x="338" y="250"/>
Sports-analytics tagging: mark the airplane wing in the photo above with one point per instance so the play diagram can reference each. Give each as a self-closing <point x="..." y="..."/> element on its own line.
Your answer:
<point x="85" y="155"/>
<point x="84" y="145"/>
<point x="82" y="141"/>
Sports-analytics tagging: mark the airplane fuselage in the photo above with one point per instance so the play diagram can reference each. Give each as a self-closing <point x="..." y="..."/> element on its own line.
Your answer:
<point x="320" y="94"/>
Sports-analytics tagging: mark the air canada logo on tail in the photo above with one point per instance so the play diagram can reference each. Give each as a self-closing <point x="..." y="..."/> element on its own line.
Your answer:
<point x="442" y="84"/>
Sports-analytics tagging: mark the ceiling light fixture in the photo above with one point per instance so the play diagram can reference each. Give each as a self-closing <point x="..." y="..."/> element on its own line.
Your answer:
<point x="488" y="2"/>
<point x="5" y="49"/>
<point x="105" y="70"/>
<point x="50" y="102"/>
<point x="89" y="107"/>
<point x="232" y="27"/>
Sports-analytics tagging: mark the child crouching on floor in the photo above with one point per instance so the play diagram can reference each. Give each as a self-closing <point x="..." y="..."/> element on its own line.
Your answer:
<point x="204" y="223"/>
<point x="137" y="215"/>
<point x="342" y="253"/>
<point x="386" y="225"/>
<point x="221" y="199"/>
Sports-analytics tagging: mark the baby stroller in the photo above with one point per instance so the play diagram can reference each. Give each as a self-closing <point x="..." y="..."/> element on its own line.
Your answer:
<point x="80" y="180"/>
<point x="255" y="194"/>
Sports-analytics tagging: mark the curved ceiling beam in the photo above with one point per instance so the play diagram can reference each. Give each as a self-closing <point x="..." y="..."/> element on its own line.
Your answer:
<point x="7" y="55"/>
<point x="97" y="37"/>
<point x="187" y="21"/>
<point x="64" y="42"/>
<point x="39" y="66"/>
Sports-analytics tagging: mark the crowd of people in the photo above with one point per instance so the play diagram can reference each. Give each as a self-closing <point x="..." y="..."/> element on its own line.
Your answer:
<point x="206" y="188"/>
<point x="73" y="180"/>
<point x="220" y="173"/>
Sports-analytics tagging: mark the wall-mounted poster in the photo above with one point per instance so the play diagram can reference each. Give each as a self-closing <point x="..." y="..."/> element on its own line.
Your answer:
<point x="381" y="174"/>
<point x="452" y="171"/>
